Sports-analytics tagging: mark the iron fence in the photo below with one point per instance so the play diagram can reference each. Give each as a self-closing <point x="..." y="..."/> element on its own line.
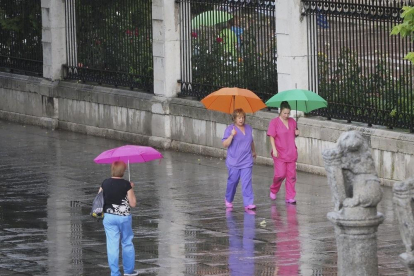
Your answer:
<point x="228" y="43"/>
<point x="110" y="42"/>
<point x="356" y="65"/>
<point x="21" y="36"/>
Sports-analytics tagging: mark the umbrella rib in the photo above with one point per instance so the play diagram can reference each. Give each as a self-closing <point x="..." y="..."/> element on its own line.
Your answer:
<point x="213" y="102"/>
<point x="251" y="108"/>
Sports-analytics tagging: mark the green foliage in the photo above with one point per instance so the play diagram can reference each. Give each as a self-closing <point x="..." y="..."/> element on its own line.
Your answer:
<point x="406" y="29"/>
<point x="115" y="36"/>
<point x="218" y="61"/>
<point x="21" y="29"/>
<point x="377" y="95"/>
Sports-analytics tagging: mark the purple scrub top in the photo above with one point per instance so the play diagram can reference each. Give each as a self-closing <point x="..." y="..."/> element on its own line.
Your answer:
<point x="239" y="153"/>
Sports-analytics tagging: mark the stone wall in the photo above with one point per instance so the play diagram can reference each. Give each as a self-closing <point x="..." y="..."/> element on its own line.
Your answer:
<point x="182" y="124"/>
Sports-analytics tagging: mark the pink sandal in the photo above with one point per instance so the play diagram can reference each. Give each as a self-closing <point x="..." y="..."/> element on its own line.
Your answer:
<point x="250" y="207"/>
<point x="228" y="204"/>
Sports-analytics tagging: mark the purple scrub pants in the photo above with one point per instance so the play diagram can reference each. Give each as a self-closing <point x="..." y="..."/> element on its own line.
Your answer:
<point x="245" y="175"/>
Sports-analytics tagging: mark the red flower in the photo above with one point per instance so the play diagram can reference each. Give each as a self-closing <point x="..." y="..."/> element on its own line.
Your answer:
<point x="136" y="32"/>
<point x="219" y="39"/>
<point x="128" y="32"/>
<point x="194" y="34"/>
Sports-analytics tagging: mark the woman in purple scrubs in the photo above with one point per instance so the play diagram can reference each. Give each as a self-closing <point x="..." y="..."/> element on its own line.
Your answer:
<point x="238" y="140"/>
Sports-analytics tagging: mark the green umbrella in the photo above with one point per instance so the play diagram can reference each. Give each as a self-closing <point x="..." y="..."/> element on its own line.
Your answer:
<point x="210" y="18"/>
<point x="298" y="99"/>
<point x="229" y="40"/>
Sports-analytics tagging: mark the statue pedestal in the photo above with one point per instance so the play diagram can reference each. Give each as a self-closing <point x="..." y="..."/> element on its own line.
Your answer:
<point x="403" y="206"/>
<point x="356" y="238"/>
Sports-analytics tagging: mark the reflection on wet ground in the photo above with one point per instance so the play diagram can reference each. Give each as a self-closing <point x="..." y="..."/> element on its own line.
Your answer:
<point x="48" y="180"/>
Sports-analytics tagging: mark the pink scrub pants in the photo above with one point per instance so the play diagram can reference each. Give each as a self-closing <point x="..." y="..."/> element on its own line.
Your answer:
<point x="284" y="170"/>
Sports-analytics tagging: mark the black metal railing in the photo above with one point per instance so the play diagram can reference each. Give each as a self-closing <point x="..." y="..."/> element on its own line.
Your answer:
<point x="356" y="65"/>
<point x="228" y="43"/>
<point x="110" y="42"/>
<point x="21" y="36"/>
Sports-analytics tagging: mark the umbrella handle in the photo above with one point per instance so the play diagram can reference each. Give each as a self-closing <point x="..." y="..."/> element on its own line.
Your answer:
<point x="297" y="120"/>
<point x="129" y="173"/>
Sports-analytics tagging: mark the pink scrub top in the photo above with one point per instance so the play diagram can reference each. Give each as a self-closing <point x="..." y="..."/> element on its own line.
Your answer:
<point x="284" y="139"/>
<point x="239" y="153"/>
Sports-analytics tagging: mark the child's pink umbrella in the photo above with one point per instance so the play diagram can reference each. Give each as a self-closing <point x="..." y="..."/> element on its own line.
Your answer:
<point x="128" y="154"/>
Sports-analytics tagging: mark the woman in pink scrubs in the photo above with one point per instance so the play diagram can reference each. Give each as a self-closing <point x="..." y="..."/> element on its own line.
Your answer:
<point x="282" y="132"/>
<point x="238" y="139"/>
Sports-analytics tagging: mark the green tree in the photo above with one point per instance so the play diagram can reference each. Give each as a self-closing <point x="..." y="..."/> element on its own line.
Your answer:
<point x="115" y="36"/>
<point x="406" y="28"/>
<point x="21" y="30"/>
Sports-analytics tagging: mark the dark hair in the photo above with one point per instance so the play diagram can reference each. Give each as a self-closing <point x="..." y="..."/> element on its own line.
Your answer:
<point x="284" y="105"/>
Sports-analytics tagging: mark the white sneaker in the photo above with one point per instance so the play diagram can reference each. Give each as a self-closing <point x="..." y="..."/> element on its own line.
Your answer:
<point x="133" y="273"/>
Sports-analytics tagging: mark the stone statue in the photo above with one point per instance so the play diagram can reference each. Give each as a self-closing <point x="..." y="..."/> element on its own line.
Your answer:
<point x="356" y="192"/>
<point x="403" y="206"/>
<point x="351" y="172"/>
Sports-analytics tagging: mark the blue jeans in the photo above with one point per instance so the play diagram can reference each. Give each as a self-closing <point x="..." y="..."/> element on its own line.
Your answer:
<point x="119" y="228"/>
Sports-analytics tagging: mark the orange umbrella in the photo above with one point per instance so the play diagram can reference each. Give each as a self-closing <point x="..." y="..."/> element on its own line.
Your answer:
<point x="230" y="98"/>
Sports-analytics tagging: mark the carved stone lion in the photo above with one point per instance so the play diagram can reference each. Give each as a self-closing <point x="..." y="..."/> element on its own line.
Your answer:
<point x="351" y="172"/>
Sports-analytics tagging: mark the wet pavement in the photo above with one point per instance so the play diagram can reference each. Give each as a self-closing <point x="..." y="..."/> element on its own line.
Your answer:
<point x="48" y="181"/>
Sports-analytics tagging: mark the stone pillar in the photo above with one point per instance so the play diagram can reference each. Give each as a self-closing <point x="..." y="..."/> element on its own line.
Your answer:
<point x="403" y="198"/>
<point x="356" y="240"/>
<point x="292" y="51"/>
<point x="356" y="192"/>
<point x="53" y="38"/>
<point x="186" y="47"/>
<point x="166" y="47"/>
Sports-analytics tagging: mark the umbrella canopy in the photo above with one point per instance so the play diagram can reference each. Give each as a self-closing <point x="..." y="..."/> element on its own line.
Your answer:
<point x="229" y="40"/>
<point x="228" y="99"/>
<point x="128" y="154"/>
<point x="298" y="99"/>
<point x="210" y="18"/>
